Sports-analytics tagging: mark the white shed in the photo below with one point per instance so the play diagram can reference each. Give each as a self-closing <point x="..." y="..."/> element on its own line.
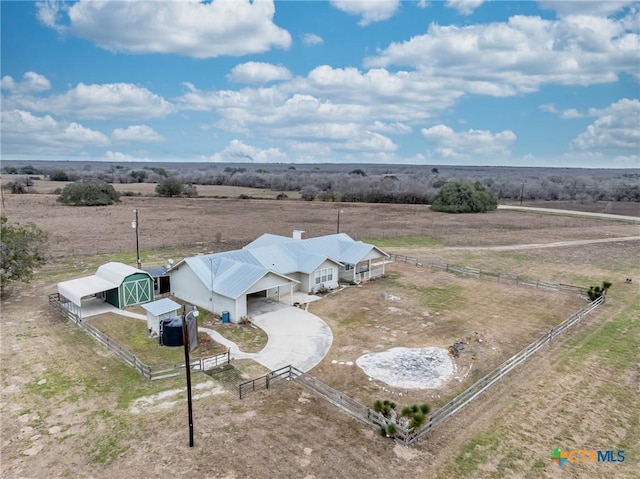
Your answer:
<point x="159" y="310"/>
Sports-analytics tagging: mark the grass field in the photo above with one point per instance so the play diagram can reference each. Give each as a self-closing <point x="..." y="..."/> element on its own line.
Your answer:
<point x="66" y="402"/>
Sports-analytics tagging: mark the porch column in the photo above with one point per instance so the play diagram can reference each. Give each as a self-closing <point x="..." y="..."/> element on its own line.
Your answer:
<point x="291" y="294"/>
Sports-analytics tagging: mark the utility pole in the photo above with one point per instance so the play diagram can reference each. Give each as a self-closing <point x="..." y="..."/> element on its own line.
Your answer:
<point x="134" y="224"/>
<point x="521" y="193"/>
<point x="338" y="226"/>
<point x="187" y="365"/>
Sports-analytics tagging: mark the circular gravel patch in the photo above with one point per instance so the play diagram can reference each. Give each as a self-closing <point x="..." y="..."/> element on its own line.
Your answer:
<point x="409" y="368"/>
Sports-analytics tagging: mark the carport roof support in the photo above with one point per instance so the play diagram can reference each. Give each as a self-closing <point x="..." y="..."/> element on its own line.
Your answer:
<point x="76" y="289"/>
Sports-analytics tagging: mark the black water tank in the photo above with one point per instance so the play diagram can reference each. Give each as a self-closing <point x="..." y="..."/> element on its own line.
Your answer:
<point x="172" y="332"/>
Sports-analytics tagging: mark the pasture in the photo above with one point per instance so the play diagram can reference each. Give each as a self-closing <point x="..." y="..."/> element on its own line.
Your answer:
<point x="67" y="403"/>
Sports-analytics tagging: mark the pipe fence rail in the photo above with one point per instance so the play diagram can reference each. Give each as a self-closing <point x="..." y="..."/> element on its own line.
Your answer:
<point x="150" y="372"/>
<point x="403" y="434"/>
<point x="490" y="275"/>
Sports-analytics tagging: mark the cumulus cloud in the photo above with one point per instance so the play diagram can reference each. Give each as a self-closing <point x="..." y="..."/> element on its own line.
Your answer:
<point x="370" y="11"/>
<point x="24" y="132"/>
<point x="32" y="83"/>
<point x="236" y="150"/>
<point x="136" y="134"/>
<point x="470" y="144"/>
<point x="585" y="7"/>
<point x="194" y="29"/>
<point x="615" y="128"/>
<point x="98" y="102"/>
<point x="503" y="59"/>
<point x="568" y="114"/>
<point x="123" y="157"/>
<point x="312" y="39"/>
<point x="258" y="72"/>
<point x="464" y="7"/>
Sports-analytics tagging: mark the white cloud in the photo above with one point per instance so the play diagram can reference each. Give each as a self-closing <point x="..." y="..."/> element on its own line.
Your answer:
<point x="98" y="102"/>
<point x="464" y="7"/>
<point x="195" y="29"/>
<point x="471" y="144"/>
<point x="504" y="59"/>
<point x="258" y="72"/>
<point x="395" y="127"/>
<point x="236" y="150"/>
<point x="24" y="132"/>
<point x="136" y="134"/>
<point x="568" y="114"/>
<point x="370" y="11"/>
<point x="584" y="7"/>
<point x="312" y="39"/>
<point x="32" y="83"/>
<point x="616" y="128"/>
<point x="123" y="157"/>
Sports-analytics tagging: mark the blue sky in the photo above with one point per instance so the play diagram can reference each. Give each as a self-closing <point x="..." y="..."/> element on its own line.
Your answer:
<point x="458" y="82"/>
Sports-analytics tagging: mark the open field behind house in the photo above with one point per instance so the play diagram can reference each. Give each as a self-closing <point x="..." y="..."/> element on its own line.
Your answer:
<point x="70" y="408"/>
<point x="198" y="223"/>
<point x="149" y="189"/>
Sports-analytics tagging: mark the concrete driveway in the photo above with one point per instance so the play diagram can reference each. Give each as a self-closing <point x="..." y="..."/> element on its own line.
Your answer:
<point x="296" y="337"/>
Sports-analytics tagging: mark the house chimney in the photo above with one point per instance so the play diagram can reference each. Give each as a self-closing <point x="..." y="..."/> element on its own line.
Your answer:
<point x="297" y="234"/>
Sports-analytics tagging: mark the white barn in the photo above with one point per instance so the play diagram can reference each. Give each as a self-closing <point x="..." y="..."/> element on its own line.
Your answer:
<point x="273" y="267"/>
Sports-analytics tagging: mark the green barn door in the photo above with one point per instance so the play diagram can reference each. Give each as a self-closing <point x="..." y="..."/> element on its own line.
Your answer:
<point x="136" y="292"/>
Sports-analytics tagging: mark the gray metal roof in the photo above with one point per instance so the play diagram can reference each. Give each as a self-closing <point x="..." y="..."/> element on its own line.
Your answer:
<point x="162" y="306"/>
<point x="338" y="247"/>
<point x="234" y="272"/>
<point x="117" y="272"/>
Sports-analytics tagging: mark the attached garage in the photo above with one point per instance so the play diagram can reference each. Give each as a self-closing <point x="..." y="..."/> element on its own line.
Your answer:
<point x="116" y="283"/>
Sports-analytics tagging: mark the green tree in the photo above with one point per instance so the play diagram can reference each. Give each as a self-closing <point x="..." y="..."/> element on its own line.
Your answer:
<point x="169" y="187"/>
<point x="22" y="250"/>
<point x="58" y="175"/>
<point x="89" y="192"/>
<point x="464" y="198"/>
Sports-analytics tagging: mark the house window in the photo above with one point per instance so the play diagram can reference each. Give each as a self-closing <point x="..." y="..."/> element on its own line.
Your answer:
<point x="324" y="275"/>
<point x="348" y="267"/>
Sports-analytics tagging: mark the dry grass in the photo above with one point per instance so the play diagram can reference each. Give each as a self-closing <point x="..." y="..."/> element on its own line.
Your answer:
<point x="433" y="308"/>
<point x="132" y="334"/>
<point x="65" y="399"/>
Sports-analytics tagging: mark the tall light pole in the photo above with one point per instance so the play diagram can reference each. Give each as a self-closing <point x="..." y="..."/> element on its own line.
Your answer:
<point x="134" y="225"/>
<point x="187" y="365"/>
<point x="338" y="226"/>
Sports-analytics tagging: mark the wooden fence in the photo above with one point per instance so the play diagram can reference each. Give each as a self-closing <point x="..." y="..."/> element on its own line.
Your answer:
<point x="498" y="277"/>
<point x="151" y="372"/>
<point x="404" y="435"/>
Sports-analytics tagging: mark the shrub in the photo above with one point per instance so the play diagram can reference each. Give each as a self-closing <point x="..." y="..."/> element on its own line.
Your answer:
<point x="464" y="198"/>
<point x="89" y="192"/>
<point x="58" y="175"/>
<point x="596" y="291"/>
<point x="23" y="249"/>
<point x="169" y="187"/>
<point x="282" y="196"/>
<point x="391" y="430"/>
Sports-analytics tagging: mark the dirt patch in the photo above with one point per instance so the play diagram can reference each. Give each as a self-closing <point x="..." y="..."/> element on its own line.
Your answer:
<point x="409" y="368"/>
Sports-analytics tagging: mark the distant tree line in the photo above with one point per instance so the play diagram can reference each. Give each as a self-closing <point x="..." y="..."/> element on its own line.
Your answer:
<point x="412" y="184"/>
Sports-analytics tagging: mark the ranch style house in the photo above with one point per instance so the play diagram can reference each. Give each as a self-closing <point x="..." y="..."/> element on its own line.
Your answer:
<point x="273" y="267"/>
